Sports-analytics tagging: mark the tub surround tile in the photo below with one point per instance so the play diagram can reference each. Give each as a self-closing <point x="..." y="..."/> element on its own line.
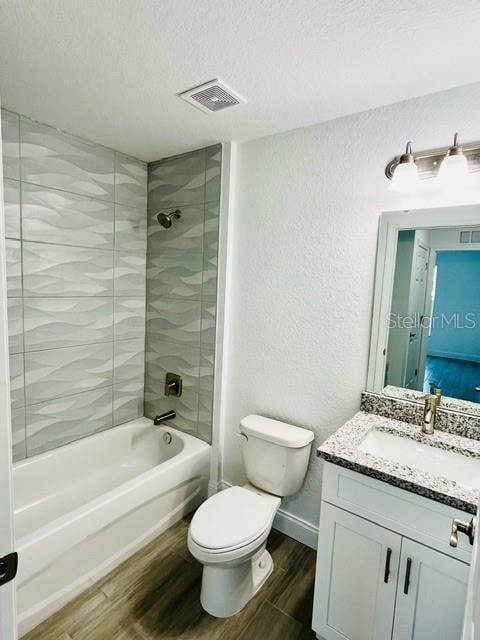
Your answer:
<point x="342" y="449"/>
<point x="209" y="312"/>
<point x="178" y="179"/>
<point x="18" y="433"/>
<point x="54" y="159"/>
<point x="15" y="325"/>
<point x="212" y="212"/>
<point x="205" y="416"/>
<point x="129" y="279"/>
<point x="209" y="275"/>
<point x="11" y="144"/>
<point x="185" y="234"/>
<point x="13" y="250"/>
<point x="54" y="270"/>
<point x="213" y="166"/>
<point x="57" y="422"/>
<point x="56" y="373"/>
<point x="130" y="229"/>
<point x="127" y="401"/>
<point x="129" y="361"/>
<point x="174" y="274"/>
<point x="174" y="321"/>
<point x="17" y="380"/>
<point x="58" y="217"/>
<point x="129" y="316"/>
<point x="207" y="368"/>
<point x="11" y="194"/>
<point x="162" y="357"/>
<point x="130" y="181"/>
<point x="60" y="322"/>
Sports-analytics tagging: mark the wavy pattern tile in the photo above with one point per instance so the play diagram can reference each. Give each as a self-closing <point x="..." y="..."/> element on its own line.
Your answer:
<point x="212" y="211"/>
<point x="185" y="233"/>
<point x="59" y="372"/>
<point x="130" y="181"/>
<point x="129" y="275"/>
<point x="127" y="401"/>
<point x="15" y="325"/>
<point x="53" y="216"/>
<point x="130" y="229"/>
<point x="13" y="249"/>
<point x="213" y="164"/>
<point x="177" y="180"/>
<point x="11" y="144"/>
<point x="205" y="415"/>
<point x="209" y="276"/>
<point x="129" y="361"/>
<point x="174" y="274"/>
<point x="61" y="322"/>
<point x="209" y="311"/>
<point x="207" y="367"/>
<point x="161" y="357"/>
<point x="174" y="321"/>
<point x="11" y="195"/>
<point x="57" y="422"/>
<point x="54" y="270"/>
<point x="54" y="159"/>
<point x="18" y="433"/>
<point x="17" y="380"/>
<point x="129" y="314"/>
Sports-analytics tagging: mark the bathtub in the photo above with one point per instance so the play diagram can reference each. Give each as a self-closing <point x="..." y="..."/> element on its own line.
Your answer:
<point x="82" y="509"/>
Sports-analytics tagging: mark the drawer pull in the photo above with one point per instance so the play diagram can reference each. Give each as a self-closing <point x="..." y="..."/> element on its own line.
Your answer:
<point x="406" y="586"/>
<point x="387" y="565"/>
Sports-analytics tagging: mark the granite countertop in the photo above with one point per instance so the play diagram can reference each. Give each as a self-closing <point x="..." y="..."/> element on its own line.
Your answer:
<point x="342" y="449"/>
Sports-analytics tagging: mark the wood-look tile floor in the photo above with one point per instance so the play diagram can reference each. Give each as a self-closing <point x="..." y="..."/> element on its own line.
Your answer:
<point x="155" y="595"/>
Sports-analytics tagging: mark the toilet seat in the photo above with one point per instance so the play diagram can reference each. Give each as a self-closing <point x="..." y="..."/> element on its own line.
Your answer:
<point x="232" y="520"/>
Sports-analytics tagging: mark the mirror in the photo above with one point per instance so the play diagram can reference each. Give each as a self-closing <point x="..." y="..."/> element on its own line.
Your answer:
<point x="426" y="323"/>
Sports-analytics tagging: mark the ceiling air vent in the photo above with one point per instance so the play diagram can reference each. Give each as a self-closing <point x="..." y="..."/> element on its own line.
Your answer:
<point x="212" y="96"/>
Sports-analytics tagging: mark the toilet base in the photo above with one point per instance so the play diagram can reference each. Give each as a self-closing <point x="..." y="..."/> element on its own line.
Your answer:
<point x="226" y="589"/>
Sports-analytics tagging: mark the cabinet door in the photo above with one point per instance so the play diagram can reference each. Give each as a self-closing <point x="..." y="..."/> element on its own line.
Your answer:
<point x="432" y="591"/>
<point x="356" y="580"/>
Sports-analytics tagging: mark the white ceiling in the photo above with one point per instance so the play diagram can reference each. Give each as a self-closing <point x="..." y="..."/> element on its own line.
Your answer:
<point x="109" y="70"/>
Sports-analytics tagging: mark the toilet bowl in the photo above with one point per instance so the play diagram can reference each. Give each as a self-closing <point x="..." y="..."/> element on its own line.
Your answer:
<point x="228" y="533"/>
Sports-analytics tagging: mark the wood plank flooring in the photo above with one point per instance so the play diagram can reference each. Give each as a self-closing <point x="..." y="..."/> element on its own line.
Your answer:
<point x="155" y="595"/>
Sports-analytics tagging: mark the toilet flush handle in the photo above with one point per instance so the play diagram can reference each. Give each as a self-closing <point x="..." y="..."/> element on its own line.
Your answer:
<point x="242" y="436"/>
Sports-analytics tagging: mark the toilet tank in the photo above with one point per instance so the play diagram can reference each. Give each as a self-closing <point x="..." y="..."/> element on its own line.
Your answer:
<point x="275" y="454"/>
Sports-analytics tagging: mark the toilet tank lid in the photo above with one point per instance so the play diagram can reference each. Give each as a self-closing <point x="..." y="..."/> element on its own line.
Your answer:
<point x="275" y="431"/>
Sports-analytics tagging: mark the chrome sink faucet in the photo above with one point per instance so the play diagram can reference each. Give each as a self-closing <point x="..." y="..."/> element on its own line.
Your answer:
<point x="432" y="402"/>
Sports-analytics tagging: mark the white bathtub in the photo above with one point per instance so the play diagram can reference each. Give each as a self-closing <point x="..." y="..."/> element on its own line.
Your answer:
<point x="82" y="509"/>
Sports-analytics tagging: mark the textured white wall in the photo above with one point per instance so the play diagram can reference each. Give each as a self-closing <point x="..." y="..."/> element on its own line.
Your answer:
<point x="306" y="213"/>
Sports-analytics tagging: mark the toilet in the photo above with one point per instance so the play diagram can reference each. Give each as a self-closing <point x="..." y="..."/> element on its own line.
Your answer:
<point x="228" y="533"/>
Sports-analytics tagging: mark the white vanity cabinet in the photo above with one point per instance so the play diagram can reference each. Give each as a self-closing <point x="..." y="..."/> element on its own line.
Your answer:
<point x="385" y="570"/>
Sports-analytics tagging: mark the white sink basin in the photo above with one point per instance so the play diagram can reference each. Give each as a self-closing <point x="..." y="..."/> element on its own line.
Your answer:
<point x="438" y="462"/>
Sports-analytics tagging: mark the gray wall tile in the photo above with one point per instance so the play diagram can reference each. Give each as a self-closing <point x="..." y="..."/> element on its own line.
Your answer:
<point x="54" y="159"/>
<point x="56" y="373"/>
<point x="209" y="310"/>
<point x="130" y="229"/>
<point x="17" y="380"/>
<point x="130" y="181"/>
<point x="55" y="270"/>
<point x="13" y="250"/>
<point x="161" y="357"/>
<point x="11" y="194"/>
<point x="53" y="216"/>
<point x="15" y="325"/>
<point x="174" y="274"/>
<point x="212" y="173"/>
<point x="174" y="321"/>
<point x="205" y="415"/>
<point x="11" y="144"/>
<point x="177" y="180"/>
<point x="212" y="210"/>
<point x="129" y="314"/>
<point x="129" y="274"/>
<point x="57" y="422"/>
<point x="127" y="401"/>
<point x="209" y="276"/>
<point x="61" y="322"/>
<point x="18" y="434"/>
<point x="185" y="233"/>
<point x="129" y="361"/>
<point x="207" y="367"/>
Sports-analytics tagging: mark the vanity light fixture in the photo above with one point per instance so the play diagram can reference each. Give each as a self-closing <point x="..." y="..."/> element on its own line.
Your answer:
<point x="453" y="171"/>
<point x="405" y="174"/>
<point x="451" y="166"/>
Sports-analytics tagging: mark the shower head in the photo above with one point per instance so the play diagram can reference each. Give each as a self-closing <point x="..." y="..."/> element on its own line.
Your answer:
<point x="165" y="219"/>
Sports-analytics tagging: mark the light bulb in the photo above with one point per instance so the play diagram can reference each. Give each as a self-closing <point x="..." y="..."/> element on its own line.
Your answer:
<point x="405" y="176"/>
<point x="453" y="172"/>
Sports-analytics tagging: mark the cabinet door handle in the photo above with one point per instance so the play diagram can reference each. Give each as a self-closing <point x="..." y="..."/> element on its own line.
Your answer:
<point x="407" y="576"/>
<point x="387" y="565"/>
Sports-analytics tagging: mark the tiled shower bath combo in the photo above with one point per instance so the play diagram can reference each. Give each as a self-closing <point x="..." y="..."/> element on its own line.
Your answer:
<point x="76" y="229"/>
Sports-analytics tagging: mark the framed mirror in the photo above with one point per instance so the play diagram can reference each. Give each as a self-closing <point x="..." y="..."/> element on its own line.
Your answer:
<point x="426" y="315"/>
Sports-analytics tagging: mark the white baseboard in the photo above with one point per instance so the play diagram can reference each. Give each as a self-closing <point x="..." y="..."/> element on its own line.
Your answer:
<point x="292" y="526"/>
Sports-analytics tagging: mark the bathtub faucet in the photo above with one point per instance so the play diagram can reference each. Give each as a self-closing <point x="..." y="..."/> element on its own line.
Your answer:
<point x="163" y="417"/>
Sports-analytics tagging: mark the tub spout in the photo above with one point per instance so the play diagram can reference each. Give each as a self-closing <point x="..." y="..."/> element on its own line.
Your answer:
<point x="163" y="417"/>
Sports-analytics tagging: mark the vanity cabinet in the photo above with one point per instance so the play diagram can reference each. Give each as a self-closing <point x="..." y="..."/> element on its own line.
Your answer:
<point x="375" y="580"/>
